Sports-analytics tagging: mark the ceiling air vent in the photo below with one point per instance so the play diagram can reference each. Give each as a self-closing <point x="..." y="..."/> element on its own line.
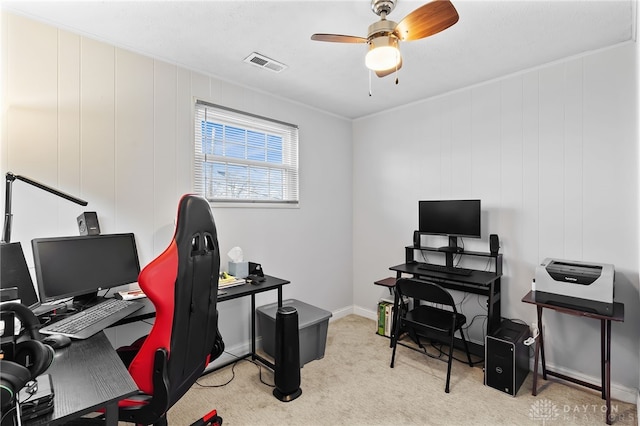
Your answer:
<point x="263" y="62"/>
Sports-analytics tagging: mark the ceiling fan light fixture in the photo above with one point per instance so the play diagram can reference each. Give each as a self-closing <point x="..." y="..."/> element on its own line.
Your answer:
<point x="383" y="53"/>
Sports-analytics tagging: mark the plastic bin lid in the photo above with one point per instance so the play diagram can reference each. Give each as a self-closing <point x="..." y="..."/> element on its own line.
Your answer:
<point x="308" y="315"/>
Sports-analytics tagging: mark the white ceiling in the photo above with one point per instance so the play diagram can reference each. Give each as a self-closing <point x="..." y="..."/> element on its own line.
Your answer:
<point x="491" y="39"/>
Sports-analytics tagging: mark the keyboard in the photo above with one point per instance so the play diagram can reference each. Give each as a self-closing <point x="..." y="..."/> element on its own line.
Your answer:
<point x="445" y="269"/>
<point x="90" y="321"/>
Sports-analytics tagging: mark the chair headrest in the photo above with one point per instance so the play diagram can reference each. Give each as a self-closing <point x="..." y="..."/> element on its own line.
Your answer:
<point x="194" y="215"/>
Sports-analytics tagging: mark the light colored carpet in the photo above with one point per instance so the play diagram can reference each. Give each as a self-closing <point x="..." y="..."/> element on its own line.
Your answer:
<point x="353" y="385"/>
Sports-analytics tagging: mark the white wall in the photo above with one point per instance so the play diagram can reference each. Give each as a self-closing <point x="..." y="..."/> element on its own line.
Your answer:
<point x="115" y="128"/>
<point x="552" y="154"/>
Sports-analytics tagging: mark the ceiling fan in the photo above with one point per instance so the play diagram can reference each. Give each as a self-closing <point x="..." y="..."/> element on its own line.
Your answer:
<point x="384" y="36"/>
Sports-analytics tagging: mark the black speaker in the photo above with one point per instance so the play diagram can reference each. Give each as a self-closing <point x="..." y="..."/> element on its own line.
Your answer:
<point x="88" y="224"/>
<point x="506" y="357"/>
<point x="287" y="355"/>
<point x="494" y="243"/>
<point x="416" y="239"/>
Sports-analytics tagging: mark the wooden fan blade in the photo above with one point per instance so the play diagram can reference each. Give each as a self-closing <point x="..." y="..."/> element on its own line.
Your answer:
<point x="390" y="70"/>
<point x="337" y="38"/>
<point x="427" y="20"/>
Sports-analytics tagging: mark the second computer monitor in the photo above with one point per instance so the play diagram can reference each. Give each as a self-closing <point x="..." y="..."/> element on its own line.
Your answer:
<point x="77" y="266"/>
<point x="14" y="272"/>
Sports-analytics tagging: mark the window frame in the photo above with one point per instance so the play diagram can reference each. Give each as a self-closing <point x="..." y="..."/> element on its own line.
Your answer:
<point x="248" y="122"/>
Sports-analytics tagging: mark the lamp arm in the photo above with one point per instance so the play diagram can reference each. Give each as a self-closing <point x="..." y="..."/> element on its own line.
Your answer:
<point x="8" y="217"/>
<point x="6" y="230"/>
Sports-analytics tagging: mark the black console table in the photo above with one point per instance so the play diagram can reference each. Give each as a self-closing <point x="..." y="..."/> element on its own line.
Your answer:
<point x="484" y="283"/>
<point x="605" y="346"/>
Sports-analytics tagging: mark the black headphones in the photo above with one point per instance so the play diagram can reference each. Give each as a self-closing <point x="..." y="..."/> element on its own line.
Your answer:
<point x="31" y="357"/>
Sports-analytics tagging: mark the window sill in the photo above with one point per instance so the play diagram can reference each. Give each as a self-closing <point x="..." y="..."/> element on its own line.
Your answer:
<point x="253" y="205"/>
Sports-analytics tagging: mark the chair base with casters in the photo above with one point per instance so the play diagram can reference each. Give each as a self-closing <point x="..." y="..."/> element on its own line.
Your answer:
<point x="428" y="320"/>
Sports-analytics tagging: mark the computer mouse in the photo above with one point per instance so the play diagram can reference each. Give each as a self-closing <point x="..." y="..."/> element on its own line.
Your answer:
<point x="57" y="341"/>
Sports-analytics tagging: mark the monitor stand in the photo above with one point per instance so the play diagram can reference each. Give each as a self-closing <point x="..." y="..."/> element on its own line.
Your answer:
<point x="85" y="301"/>
<point x="452" y="247"/>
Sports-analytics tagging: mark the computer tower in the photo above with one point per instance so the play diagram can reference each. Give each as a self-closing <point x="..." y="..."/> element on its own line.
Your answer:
<point x="506" y="357"/>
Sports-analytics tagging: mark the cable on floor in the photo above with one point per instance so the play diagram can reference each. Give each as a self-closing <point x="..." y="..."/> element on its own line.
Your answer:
<point x="233" y="373"/>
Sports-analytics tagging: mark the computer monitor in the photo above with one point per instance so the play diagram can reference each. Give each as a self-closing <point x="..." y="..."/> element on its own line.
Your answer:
<point x="80" y="266"/>
<point x="453" y="218"/>
<point x="14" y="272"/>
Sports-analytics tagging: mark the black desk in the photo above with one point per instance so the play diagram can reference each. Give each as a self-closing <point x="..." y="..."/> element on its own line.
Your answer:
<point x="605" y="347"/>
<point x="270" y="283"/>
<point x="87" y="375"/>
<point x="479" y="282"/>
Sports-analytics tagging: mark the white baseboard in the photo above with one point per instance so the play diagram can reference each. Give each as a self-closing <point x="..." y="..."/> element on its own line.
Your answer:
<point x="367" y="313"/>
<point x="341" y="313"/>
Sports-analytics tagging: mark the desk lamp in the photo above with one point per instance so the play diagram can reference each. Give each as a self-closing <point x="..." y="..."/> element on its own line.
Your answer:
<point x="8" y="217"/>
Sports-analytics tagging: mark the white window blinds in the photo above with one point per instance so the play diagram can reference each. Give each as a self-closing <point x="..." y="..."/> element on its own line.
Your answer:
<point x="241" y="157"/>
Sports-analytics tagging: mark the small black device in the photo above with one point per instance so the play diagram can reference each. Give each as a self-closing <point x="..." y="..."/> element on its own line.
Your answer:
<point x="494" y="243"/>
<point x="88" y="224"/>
<point x="255" y="279"/>
<point x="507" y="357"/>
<point x="38" y="398"/>
<point x="256" y="269"/>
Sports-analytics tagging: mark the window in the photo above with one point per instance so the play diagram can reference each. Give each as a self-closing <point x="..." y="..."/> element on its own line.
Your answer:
<point x="244" y="158"/>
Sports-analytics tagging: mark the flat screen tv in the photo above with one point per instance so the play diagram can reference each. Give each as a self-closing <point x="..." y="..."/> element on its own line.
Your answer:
<point x="453" y="218"/>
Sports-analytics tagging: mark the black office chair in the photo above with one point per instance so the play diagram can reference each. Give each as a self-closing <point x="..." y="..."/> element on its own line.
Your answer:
<point x="182" y="283"/>
<point x="428" y="320"/>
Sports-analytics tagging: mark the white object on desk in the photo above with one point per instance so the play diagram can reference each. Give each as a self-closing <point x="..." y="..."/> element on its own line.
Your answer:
<point x="130" y="294"/>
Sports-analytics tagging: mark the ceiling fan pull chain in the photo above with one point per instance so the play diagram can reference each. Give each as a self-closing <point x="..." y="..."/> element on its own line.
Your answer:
<point x="369" y="82"/>
<point x="396" y="74"/>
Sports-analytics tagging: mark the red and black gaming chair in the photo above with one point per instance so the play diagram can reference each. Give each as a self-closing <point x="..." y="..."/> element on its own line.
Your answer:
<point x="182" y="283"/>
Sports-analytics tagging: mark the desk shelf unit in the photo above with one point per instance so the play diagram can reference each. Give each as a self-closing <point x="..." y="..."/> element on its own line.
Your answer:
<point x="485" y="283"/>
<point x="497" y="257"/>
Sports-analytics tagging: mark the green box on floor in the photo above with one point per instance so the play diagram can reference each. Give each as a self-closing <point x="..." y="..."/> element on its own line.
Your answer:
<point x="312" y="326"/>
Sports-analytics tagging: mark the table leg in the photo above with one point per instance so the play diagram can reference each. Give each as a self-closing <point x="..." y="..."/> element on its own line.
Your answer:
<point x="395" y="316"/>
<point x="544" y="363"/>
<point x="534" y="390"/>
<point x="603" y="357"/>
<point x="607" y="383"/>
<point x="253" y="326"/>
<point x="111" y="414"/>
